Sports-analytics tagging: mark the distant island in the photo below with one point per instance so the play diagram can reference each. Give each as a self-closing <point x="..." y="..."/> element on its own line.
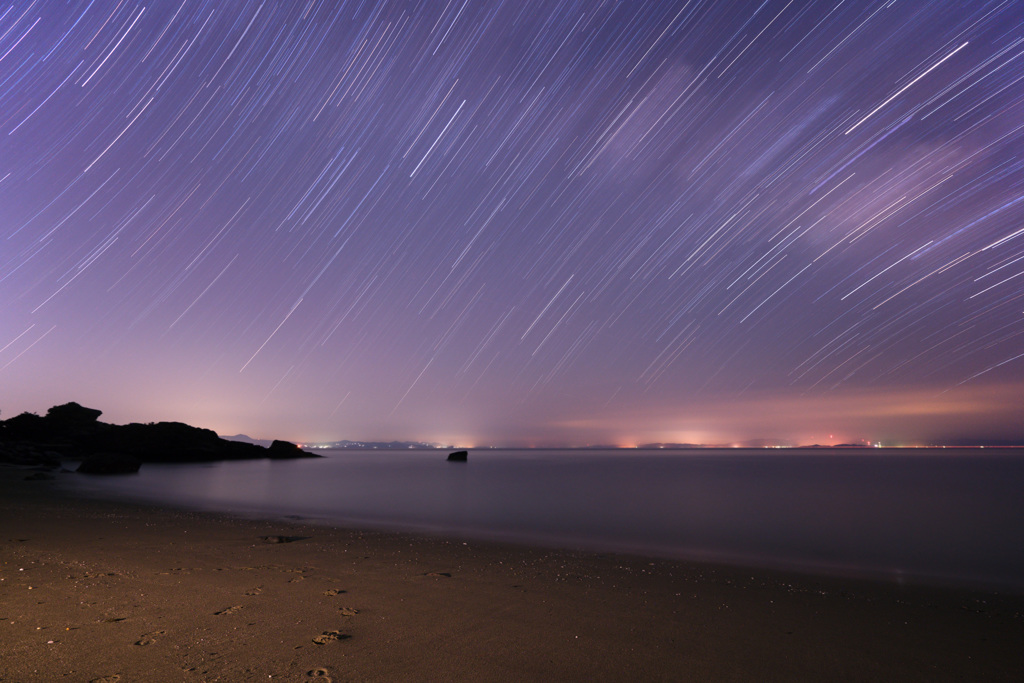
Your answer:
<point x="757" y="444"/>
<point x="73" y="432"/>
<point x="383" y="445"/>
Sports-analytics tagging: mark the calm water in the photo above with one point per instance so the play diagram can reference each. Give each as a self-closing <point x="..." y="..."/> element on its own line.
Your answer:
<point x="950" y="515"/>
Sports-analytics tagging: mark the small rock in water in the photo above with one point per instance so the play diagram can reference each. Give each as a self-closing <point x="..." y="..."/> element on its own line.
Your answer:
<point x="458" y="456"/>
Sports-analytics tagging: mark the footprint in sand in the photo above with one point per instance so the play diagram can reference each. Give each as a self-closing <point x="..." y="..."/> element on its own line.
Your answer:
<point x="107" y="679"/>
<point x="349" y="611"/>
<point x="328" y="636"/>
<point x="334" y="591"/>
<point x="319" y="674"/>
<point x="283" y="539"/>
<point x="254" y="591"/>
<point x="444" y="574"/>
<point x="228" y="610"/>
<point x="149" y="638"/>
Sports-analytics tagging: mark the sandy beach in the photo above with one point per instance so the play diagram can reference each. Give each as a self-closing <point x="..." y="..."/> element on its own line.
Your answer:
<point x="101" y="591"/>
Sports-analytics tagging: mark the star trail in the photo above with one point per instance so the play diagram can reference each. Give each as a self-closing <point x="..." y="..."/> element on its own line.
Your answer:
<point x="517" y="222"/>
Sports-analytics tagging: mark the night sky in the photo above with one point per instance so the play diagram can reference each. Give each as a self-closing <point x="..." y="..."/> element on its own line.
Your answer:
<point x="519" y="222"/>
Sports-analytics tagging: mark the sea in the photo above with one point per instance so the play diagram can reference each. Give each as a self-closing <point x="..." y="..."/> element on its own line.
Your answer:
<point x="944" y="516"/>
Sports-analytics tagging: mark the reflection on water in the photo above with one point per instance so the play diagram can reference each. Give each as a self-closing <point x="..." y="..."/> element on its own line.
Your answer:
<point x="949" y="514"/>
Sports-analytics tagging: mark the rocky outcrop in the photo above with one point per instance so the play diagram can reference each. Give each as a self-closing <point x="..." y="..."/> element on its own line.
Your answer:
<point x="170" y="442"/>
<point x="458" y="456"/>
<point x="73" y="432"/>
<point x="45" y="440"/>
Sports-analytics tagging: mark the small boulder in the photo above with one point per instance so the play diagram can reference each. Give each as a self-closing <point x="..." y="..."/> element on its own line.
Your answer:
<point x="458" y="456"/>
<point x="109" y="463"/>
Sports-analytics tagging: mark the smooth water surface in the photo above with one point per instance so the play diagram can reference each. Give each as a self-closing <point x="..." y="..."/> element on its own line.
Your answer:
<point x="950" y="514"/>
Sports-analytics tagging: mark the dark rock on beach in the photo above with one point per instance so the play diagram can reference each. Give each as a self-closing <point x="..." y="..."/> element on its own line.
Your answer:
<point x="73" y="432"/>
<point x="170" y="442"/>
<point x="178" y="442"/>
<point x="458" y="456"/>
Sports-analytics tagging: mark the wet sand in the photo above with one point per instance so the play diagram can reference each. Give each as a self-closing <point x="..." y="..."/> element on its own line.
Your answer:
<point x="101" y="591"/>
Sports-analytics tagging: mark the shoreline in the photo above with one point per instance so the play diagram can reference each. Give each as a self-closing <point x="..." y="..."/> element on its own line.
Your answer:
<point x="887" y="533"/>
<point x="93" y="589"/>
<point x="896" y="579"/>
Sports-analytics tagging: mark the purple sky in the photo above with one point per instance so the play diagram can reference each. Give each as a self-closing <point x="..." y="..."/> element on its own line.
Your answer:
<point x="544" y="222"/>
